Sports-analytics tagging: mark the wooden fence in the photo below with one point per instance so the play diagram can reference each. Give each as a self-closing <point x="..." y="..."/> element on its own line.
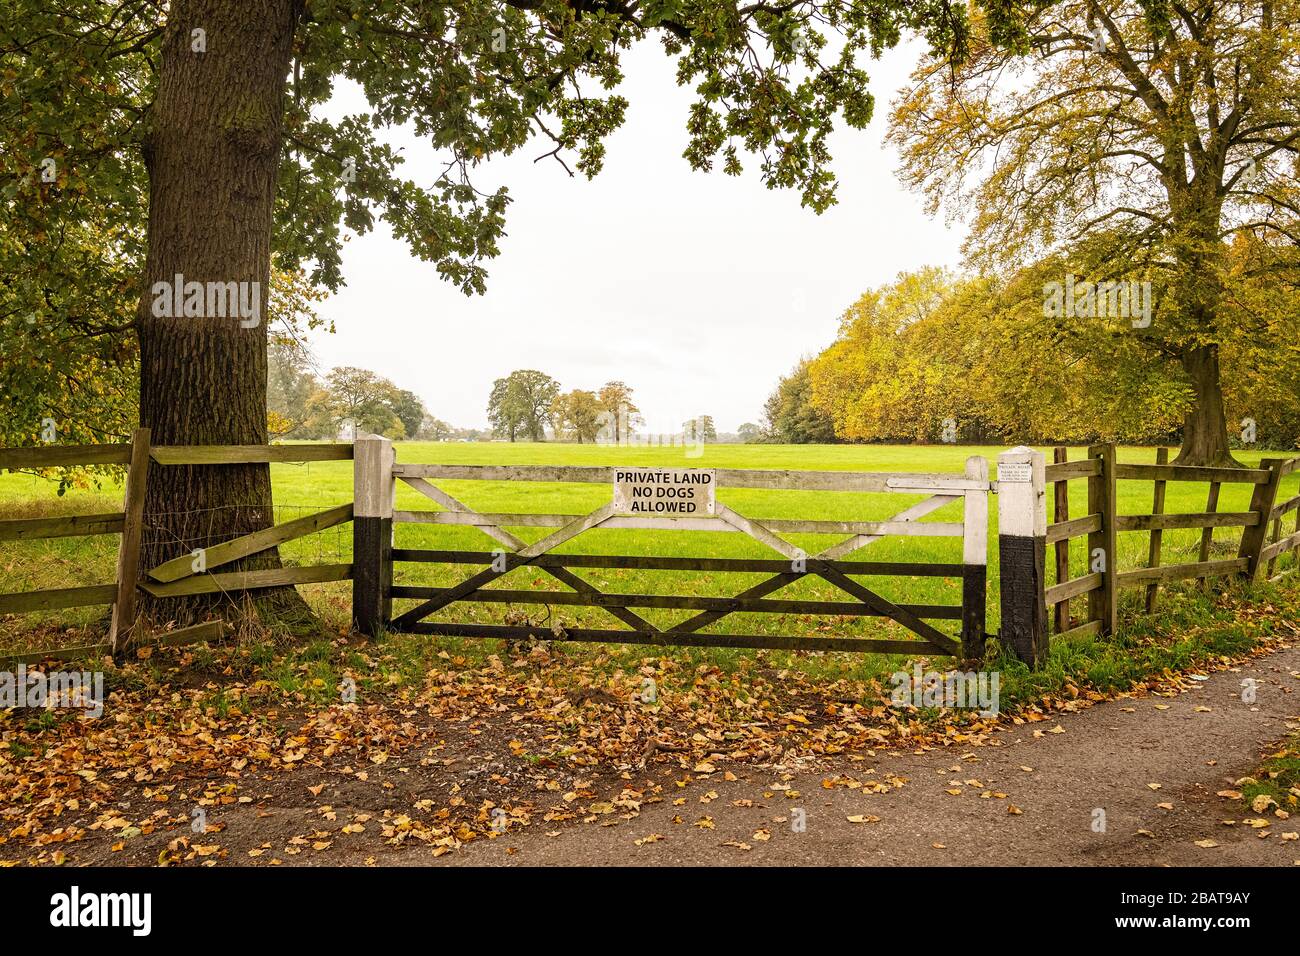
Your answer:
<point x="1099" y="527"/>
<point x="1260" y="545"/>
<point x="186" y="574"/>
<point x="1024" y="537"/>
<point x="373" y="555"/>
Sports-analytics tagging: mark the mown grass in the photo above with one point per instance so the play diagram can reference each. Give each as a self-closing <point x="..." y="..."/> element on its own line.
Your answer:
<point x="303" y="488"/>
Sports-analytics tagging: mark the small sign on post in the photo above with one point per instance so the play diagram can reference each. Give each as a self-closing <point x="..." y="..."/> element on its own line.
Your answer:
<point x="664" y="491"/>
<point x="1015" y="472"/>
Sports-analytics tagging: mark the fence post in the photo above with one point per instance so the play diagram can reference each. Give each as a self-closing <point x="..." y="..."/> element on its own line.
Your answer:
<point x="128" y="552"/>
<point x="1022" y="552"/>
<point x="1207" y="534"/>
<point x="1154" y="543"/>
<point x="1103" y="500"/>
<point x="372" y="533"/>
<point x="1254" y="537"/>
<point x="1061" y="512"/>
<point x="975" y="559"/>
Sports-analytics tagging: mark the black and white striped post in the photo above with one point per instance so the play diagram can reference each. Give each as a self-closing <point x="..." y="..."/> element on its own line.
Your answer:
<point x="975" y="559"/>
<point x="372" y="533"/>
<point x="1022" y="552"/>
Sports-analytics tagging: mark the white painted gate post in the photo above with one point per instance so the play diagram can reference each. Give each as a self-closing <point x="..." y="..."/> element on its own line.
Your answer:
<point x="1022" y="552"/>
<point x="974" y="559"/>
<point x="372" y="533"/>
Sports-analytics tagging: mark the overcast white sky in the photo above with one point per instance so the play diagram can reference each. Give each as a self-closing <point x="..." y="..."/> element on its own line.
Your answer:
<point x="698" y="290"/>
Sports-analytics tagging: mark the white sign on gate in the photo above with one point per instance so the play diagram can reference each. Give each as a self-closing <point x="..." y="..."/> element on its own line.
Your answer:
<point x="664" y="491"/>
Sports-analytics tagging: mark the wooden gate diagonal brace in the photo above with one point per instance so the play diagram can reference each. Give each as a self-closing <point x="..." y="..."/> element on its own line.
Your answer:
<point x="886" y="607"/>
<point x="840" y="580"/>
<point x="528" y="553"/>
<point x="242" y="547"/>
<point x="847" y="546"/>
<point x="563" y="575"/>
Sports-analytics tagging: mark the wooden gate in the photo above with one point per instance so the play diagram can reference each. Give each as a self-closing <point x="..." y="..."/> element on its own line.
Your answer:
<point x="374" y="557"/>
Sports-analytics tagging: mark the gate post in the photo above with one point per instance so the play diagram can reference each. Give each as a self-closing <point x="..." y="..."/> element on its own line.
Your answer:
<point x="975" y="559"/>
<point x="1022" y="552"/>
<point x="372" y="533"/>
<point x="128" y="553"/>
<point x="1103" y="500"/>
<point x="1262" y="500"/>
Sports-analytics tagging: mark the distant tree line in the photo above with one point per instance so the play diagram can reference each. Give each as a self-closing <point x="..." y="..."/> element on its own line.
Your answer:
<point x="306" y="405"/>
<point x="529" y="405"/>
<point x="526" y="404"/>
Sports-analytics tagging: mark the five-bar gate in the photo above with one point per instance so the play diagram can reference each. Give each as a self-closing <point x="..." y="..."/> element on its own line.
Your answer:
<point x="374" y="554"/>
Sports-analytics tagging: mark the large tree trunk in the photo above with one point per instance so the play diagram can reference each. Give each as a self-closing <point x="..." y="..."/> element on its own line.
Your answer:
<point x="212" y="153"/>
<point x="1205" y="429"/>
<point x="1200" y="254"/>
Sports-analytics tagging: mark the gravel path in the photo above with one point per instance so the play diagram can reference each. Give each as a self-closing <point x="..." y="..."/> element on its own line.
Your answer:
<point x="1106" y="758"/>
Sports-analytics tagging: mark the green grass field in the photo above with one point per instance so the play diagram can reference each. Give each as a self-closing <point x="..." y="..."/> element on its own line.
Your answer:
<point x="302" y="489"/>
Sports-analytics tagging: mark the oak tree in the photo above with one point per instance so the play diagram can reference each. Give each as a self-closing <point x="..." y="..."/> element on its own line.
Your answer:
<point x="188" y="143"/>
<point x="1140" y="137"/>
<point x="521" y="403"/>
<point x="575" y="415"/>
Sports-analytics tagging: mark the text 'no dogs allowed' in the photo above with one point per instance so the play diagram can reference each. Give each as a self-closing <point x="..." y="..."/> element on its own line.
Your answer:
<point x="664" y="491"/>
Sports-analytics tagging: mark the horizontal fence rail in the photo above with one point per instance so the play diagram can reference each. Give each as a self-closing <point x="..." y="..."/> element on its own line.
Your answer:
<point x="247" y="454"/>
<point x="671" y="638"/>
<point x="687" y="602"/>
<point x="776" y="480"/>
<point x="249" y="580"/>
<point x="71" y="526"/>
<point x="1206" y="519"/>
<point x="1062" y="470"/>
<point x="63" y="456"/>
<point x="175" y="577"/>
<point x="655" y="563"/>
<point x="1160" y="472"/>
<point x="51" y="599"/>
<point x="933" y="529"/>
<point x="69" y="456"/>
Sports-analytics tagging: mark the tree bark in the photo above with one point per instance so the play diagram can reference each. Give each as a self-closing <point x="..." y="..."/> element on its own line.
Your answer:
<point x="1205" y="428"/>
<point x="212" y="152"/>
<point x="1198" y="293"/>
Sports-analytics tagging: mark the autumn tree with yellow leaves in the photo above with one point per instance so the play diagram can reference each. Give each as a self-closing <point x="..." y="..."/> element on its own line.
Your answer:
<point x="1126" y="141"/>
